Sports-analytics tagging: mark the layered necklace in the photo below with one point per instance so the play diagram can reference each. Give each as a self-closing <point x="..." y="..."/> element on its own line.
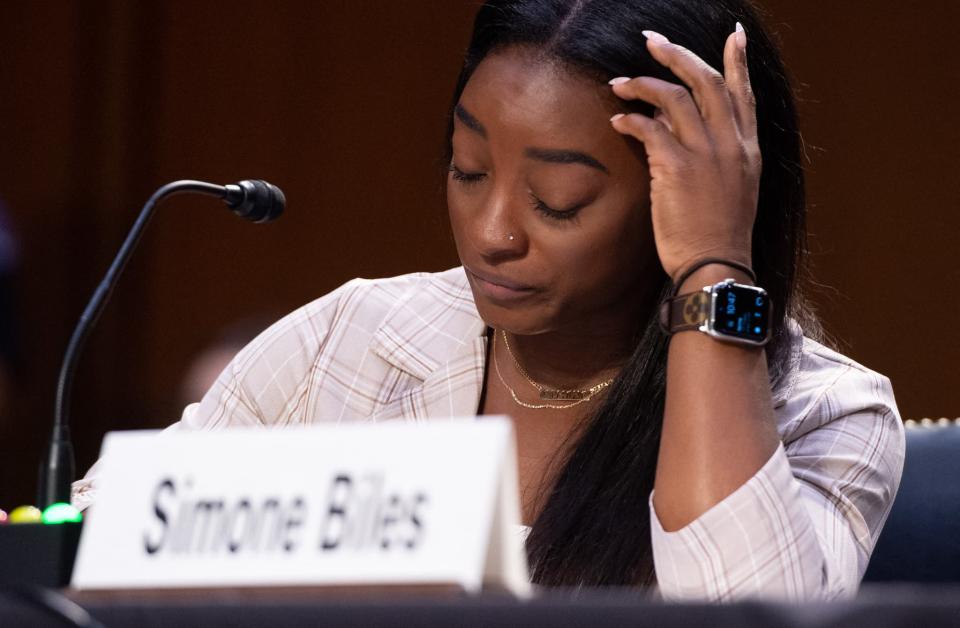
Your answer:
<point x="573" y="395"/>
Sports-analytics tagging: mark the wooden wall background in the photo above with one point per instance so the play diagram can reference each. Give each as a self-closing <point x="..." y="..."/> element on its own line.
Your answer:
<point x="342" y="104"/>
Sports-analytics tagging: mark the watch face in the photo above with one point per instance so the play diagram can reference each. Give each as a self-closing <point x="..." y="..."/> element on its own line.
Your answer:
<point x="741" y="312"/>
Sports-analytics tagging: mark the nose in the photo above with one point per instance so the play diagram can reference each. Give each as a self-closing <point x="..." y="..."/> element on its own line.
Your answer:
<point x="498" y="232"/>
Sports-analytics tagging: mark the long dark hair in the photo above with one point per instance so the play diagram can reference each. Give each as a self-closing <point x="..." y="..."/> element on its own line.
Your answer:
<point x="594" y="527"/>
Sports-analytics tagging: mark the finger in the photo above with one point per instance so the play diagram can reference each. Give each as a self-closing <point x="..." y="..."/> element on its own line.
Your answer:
<point x="708" y="86"/>
<point x="737" y="74"/>
<point x="657" y="139"/>
<point x="675" y="100"/>
<point x="663" y="119"/>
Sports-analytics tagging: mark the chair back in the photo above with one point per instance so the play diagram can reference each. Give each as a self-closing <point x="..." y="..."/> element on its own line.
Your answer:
<point x="921" y="539"/>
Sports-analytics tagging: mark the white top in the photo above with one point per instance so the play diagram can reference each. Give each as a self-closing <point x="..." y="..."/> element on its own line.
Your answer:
<point x="413" y="348"/>
<point x="523" y="532"/>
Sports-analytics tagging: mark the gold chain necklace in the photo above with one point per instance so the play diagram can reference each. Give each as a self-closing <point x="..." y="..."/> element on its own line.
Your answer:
<point x="554" y="394"/>
<point x="533" y="406"/>
<point x="513" y="393"/>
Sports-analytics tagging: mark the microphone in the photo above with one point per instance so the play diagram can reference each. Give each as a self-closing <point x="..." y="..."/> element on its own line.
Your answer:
<point x="252" y="199"/>
<point x="255" y="200"/>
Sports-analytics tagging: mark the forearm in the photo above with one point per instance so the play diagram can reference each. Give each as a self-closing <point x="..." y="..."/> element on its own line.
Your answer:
<point x="718" y="425"/>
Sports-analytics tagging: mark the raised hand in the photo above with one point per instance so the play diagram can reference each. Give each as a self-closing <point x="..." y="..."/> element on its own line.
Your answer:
<point x="702" y="151"/>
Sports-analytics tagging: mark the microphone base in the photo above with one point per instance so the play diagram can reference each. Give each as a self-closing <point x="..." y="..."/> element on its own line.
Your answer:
<point x="38" y="554"/>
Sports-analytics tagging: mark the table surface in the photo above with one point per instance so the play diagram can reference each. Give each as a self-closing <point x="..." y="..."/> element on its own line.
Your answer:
<point x="875" y="606"/>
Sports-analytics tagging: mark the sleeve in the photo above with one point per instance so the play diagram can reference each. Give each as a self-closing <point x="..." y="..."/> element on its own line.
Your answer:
<point x="263" y="385"/>
<point x="805" y="524"/>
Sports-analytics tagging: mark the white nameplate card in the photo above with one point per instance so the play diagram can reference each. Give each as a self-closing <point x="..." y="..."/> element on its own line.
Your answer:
<point x="393" y="503"/>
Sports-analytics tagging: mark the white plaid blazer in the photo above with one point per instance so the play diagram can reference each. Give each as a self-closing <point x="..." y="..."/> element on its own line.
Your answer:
<point x="413" y="348"/>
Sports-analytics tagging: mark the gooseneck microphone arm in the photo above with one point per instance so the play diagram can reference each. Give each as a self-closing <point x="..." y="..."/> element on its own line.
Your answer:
<point x="255" y="200"/>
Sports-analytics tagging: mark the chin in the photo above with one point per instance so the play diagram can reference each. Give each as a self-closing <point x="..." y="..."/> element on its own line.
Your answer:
<point x="520" y="319"/>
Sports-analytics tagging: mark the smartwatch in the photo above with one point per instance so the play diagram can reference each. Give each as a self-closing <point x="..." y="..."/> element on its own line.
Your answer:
<point x="728" y="311"/>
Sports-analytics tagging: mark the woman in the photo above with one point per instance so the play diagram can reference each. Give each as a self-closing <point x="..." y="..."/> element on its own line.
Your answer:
<point x="604" y="157"/>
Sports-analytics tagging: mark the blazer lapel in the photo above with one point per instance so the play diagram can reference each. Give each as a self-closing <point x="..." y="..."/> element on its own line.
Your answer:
<point x="437" y="337"/>
<point x="452" y="390"/>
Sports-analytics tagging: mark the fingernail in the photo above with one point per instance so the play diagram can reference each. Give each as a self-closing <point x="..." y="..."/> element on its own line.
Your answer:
<point x="741" y="36"/>
<point x="616" y="117"/>
<point x="618" y="80"/>
<point x="655" y="37"/>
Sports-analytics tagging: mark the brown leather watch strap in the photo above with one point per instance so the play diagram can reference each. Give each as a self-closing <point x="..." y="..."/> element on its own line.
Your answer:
<point x="685" y="312"/>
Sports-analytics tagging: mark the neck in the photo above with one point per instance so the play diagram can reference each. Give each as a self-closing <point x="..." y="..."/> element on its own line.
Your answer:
<point x="579" y="356"/>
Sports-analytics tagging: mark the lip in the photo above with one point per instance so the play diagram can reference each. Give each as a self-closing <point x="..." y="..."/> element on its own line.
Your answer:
<point x="499" y="289"/>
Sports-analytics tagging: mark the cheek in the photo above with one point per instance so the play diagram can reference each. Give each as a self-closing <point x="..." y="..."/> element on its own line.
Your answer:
<point x="629" y="234"/>
<point x="457" y="212"/>
<point x="635" y="233"/>
<point x="603" y="258"/>
<point x="632" y="246"/>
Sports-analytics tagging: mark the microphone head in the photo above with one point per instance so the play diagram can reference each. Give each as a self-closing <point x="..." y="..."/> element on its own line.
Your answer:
<point x="255" y="199"/>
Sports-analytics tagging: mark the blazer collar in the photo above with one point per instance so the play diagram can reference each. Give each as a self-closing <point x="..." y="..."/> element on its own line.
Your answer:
<point x="435" y="334"/>
<point x="435" y="321"/>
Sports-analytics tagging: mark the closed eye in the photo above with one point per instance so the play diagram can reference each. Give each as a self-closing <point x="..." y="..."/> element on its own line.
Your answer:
<point x="465" y="177"/>
<point x="554" y="214"/>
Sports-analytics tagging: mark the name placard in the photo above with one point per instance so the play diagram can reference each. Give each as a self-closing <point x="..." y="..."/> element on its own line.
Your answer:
<point x="433" y="503"/>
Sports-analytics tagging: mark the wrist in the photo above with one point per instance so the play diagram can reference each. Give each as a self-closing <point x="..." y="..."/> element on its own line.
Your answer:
<point x="721" y="302"/>
<point x="710" y="274"/>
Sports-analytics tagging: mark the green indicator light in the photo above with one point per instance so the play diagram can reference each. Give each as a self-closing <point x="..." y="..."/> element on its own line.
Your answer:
<point x="61" y="513"/>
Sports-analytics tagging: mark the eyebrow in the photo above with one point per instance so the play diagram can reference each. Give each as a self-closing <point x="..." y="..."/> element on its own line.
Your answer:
<point x="469" y="121"/>
<point x="548" y="155"/>
<point x="558" y="156"/>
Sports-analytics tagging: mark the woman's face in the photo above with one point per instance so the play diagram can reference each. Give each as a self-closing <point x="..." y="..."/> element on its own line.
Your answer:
<point x="549" y="205"/>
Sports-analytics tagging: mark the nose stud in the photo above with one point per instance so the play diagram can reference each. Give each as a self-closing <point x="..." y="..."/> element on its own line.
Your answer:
<point x="510" y="236"/>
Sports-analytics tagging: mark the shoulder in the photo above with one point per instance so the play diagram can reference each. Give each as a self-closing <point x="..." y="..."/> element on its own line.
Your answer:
<point x="844" y="441"/>
<point x="823" y="386"/>
<point x="376" y="299"/>
<point x="364" y="305"/>
<point x="363" y="330"/>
